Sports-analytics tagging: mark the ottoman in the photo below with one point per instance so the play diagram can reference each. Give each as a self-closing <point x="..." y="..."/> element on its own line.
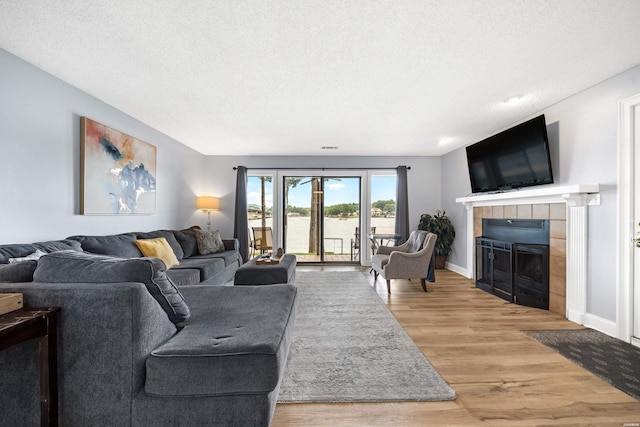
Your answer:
<point x="252" y="273"/>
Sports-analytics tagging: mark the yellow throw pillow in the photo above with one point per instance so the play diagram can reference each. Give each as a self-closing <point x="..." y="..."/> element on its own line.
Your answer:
<point x="158" y="248"/>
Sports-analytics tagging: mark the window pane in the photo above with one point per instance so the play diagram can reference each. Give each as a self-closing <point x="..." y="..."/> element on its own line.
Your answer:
<point x="260" y="207"/>
<point x="383" y="203"/>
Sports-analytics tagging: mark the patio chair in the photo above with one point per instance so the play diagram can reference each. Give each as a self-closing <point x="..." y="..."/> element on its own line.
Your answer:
<point x="355" y="244"/>
<point x="408" y="261"/>
<point x="262" y="239"/>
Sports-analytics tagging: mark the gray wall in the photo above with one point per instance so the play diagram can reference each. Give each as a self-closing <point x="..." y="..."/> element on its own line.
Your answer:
<point x="455" y="183"/>
<point x="423" y="179"/>
<point x="583" y="139"/>
<point x="40" y="161"/>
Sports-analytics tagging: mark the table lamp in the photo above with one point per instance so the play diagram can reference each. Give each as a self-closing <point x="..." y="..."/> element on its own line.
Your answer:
<point x="208" y="204"/>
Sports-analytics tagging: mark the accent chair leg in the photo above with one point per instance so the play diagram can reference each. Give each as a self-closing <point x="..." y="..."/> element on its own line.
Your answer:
<point x="375" y="275"/>
<point x="389" y="286"/>
<point x="424" y="284"/>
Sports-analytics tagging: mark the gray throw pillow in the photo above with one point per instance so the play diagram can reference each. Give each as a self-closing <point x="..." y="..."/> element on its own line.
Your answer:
<point x="187" y="240"/>
<point x="82" y="267"/>
<point x="209" y="242"/>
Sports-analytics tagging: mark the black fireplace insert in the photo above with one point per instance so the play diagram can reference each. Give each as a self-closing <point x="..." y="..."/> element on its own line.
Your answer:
<point x="512" y="261"/>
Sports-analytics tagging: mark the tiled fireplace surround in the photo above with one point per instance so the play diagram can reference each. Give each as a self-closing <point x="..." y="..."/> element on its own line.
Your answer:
<point x="556" y="214"/>
<point x="566" y="209"/>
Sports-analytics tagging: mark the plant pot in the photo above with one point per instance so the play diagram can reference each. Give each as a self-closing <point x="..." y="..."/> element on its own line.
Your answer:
<point x="441" y="260"/>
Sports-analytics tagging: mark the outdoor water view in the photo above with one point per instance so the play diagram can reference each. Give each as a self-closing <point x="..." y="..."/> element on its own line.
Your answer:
<point x="323" y="210"/>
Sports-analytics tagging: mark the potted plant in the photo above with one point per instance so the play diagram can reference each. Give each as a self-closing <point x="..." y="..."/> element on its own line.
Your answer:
<point x="440" y="225"/>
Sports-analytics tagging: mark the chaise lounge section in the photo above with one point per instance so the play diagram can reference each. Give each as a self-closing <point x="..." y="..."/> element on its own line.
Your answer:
<point x="141" y="351"/>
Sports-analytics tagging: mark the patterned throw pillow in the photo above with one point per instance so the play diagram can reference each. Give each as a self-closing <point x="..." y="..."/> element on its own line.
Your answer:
<point x="34" y="256"/>
<point x="209" y="242"/>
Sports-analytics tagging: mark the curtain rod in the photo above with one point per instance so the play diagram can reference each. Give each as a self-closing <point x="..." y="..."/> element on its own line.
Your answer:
<point x="323" y="169"/>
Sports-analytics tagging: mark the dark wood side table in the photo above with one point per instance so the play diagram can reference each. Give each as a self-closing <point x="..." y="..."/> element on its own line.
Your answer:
<point x="27" y="323"/>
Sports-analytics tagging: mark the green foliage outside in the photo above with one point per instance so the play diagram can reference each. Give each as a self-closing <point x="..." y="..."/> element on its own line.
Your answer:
<point x="388" y="207"/>
<point x="298" y="211"/>
<point x="342" y="210"/>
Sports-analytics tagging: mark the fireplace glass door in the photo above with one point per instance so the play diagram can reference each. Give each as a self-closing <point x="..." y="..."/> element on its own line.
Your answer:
<point x="531" y="275"/>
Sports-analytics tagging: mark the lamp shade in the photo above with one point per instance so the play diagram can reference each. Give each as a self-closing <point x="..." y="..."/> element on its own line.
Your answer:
<point x="207" y="203"/>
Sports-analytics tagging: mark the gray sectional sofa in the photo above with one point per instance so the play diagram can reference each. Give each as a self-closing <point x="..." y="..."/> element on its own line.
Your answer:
<point x="209" y="269"/>
<point x="142" y="345"/>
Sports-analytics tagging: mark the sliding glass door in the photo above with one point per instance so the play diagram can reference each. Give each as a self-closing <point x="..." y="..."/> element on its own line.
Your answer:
<point x="322" y="217"/>
<point x="260" y="213"/>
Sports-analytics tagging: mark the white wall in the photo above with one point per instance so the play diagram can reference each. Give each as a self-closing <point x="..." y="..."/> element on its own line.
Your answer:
<point x="583" y="138"/>
<point x="423" y="179"/>
<point x="40" y="161"/>
<point x="40" y="165"/>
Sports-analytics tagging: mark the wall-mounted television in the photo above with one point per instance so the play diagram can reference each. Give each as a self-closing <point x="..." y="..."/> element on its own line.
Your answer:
<point x="517" y="157"/>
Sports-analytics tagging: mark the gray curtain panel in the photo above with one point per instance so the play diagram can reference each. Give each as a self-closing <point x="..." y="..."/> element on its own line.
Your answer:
<point x="241" y="223"/>
<point x="402" y="204"/>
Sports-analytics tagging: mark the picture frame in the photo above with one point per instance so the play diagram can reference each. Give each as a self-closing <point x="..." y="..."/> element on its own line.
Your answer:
<point x="118" y="172"/>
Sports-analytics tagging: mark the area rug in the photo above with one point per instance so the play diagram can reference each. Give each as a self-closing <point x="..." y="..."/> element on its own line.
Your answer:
<point x="348" y="347"/>
<point x="615" y="361"/>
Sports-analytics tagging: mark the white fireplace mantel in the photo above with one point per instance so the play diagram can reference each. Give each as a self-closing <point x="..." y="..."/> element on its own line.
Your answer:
<point x="578" y="193"/>
<point x="578" y="198"/>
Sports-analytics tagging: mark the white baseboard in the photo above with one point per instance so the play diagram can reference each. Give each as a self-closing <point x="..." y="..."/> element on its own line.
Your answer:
<point x="599" y="324"/>
<point x="458" y="269"/>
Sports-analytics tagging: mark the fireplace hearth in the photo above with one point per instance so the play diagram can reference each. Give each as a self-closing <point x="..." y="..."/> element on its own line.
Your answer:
<point x="513" y="260"/>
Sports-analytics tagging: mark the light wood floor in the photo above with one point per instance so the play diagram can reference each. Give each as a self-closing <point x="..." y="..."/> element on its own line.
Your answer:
<point x="501" y="376"/>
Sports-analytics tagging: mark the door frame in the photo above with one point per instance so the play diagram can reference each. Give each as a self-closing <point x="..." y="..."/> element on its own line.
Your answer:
<point x="365" y="218"/>
<point x="626" y="221"/>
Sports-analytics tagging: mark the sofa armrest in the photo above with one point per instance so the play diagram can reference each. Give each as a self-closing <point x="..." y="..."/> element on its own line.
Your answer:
<point x="386" y="250"/>
<point x="106" y="331"/>
<point x="231" y="244"/>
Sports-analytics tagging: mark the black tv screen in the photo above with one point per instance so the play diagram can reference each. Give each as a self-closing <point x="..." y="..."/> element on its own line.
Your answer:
<point x="515" y="158"/>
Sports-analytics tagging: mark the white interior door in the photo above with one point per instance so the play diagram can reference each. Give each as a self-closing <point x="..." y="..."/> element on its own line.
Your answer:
<point x="636" y="258"/>
<point x="628" y="307"/>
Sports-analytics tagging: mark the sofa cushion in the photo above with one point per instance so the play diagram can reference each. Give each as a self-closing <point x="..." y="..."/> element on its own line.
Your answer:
<point x="169" y="237"/>
<point x="158" y="248"/>
<point x="119" y="245"/>
<point x="209" y="242"/>
<point x="184" y="276"/>
<point x="208" y="267"/>
<point x="18" y="271"/>
<point x="239" y="348"/>
<point x="229" y="257"/>
<point x="22" y="250"/>
<point x="187" y="240"/>
<point x="82" y="267"/>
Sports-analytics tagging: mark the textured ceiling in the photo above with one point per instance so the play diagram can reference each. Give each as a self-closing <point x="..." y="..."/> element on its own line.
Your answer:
<point x="284" y="77"/>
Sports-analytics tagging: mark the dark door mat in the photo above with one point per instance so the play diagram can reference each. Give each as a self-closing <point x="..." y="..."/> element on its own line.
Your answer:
<point x="611" y="359"/>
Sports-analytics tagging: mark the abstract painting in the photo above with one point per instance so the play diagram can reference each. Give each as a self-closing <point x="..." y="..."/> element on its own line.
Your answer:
<point x="118" y="172"/>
